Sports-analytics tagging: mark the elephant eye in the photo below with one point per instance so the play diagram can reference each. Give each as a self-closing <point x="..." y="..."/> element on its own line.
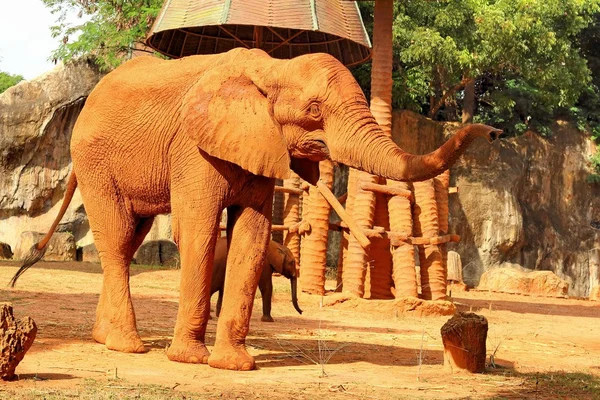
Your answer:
<point x="315" y="110"/>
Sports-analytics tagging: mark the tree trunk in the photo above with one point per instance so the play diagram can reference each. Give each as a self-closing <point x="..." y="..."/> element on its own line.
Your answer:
<point x="468" y="108"/>
<point x="363" y="204"/>
<point x="380" y="280"/>
<point x="313" y="253"/>
<point x="16" y="337"/>
<point x="464" y="337"/>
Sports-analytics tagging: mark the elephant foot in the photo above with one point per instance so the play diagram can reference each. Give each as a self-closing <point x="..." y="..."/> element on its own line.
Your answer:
<point x="233" y="358"/>
<point x="124" y="341"/>
<point x="267" y="318"/>
<point x="100" y="332"/>
<point x="190" y="352"/>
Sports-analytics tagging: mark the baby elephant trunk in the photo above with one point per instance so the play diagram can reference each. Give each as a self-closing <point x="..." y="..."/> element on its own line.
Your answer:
<point x="293" y="282"/>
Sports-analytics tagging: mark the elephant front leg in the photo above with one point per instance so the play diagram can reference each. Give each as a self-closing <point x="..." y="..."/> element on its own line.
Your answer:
<point x="196" y="246"/>
<point x="249" y="242"/>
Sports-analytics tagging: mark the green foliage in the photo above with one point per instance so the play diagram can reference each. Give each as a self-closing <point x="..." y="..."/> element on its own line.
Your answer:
<point x="525" y="57"/>
<point x="112" y="30"/>
<point x="7" y="80"/>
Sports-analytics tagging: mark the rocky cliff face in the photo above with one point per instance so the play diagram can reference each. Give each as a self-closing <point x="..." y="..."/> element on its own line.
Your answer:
<point x="36" y="121"/>
<point x="522" y="202"/>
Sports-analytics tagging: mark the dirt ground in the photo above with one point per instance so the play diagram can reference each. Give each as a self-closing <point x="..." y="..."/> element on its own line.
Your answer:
<point x="356" y="349"/>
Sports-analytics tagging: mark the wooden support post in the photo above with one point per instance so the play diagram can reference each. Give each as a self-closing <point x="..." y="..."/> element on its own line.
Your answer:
<point x="426" y="224"/>
<point x="313" y="252"/>
<point x="356" y="263"/>
<point x="441" y="184"/>
<point x="403" y="252"/>
<point x="343" y="258"/>
<point x="291" y="213"/>
<point x="278" y="205"/>
<point x="464" y="337"/>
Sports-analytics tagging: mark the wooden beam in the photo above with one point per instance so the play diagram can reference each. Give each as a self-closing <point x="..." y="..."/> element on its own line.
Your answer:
<point x="355" y="230"/>
<point x="289" y="190"/>
<point x="387" y="190"/>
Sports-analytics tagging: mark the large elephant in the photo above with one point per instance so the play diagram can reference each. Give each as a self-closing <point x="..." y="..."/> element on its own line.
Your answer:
<point x="199" y="134"/>
<point x="279" y="259"/>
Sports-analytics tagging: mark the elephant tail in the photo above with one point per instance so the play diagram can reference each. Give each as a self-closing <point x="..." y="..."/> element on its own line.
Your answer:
<point x="37" y="251"/>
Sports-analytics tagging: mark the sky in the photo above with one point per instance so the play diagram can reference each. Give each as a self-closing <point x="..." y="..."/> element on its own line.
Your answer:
<point x="25" y="40"/>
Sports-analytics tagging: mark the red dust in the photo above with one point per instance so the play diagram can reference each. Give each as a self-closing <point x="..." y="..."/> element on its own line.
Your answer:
<point x="339" y="347"/>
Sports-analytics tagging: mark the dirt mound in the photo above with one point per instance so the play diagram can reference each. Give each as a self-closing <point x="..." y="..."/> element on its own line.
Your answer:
<point x="535" y="283"/>
<point x="406" y="305"/>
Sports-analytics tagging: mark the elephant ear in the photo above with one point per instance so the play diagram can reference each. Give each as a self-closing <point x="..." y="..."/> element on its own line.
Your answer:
<point x="228" y="117"/>
<point x="276" y="256"/>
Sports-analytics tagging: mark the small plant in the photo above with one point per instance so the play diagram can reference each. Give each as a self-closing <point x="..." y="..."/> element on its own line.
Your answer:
<point x="495" y="342"/>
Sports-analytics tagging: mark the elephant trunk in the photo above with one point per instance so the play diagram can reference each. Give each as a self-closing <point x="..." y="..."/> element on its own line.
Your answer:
<point x="369" y="149"/>
<point x="294" y="283"/>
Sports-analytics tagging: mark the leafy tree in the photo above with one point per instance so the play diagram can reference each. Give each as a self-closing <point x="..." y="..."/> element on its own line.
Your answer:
<point x="518" y="60"/>
<point x="7" y="80"/>
<point x="112" y="28"/>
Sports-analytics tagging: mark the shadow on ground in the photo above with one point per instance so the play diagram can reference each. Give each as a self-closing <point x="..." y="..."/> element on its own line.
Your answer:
<point x="569" y="310"/>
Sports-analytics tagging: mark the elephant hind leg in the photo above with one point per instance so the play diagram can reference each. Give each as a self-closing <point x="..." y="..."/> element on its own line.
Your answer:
<point x="115" y="232"/>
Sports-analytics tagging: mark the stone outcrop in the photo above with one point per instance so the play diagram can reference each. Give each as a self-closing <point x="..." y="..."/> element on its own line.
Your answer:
<point x="88" y="253"/>
<point x="5" y="251"/>
<point x="35" y="130"/>
<point x="157" y="252"/>
<point x="61" y="246"/>
<point x="532" y="283"/>
<point x="522" y="202"/>
<point x="16" y="337"/>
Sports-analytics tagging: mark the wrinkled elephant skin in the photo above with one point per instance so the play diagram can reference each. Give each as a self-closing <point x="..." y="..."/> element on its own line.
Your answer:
<point x="199" y="134"/>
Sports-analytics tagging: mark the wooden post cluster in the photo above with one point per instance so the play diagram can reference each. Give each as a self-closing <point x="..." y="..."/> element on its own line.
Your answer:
<point x="418" y="216"/>
<point x="417" y="220"/>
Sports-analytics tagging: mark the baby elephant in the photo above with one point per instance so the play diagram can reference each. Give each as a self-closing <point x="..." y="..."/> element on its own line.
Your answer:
<point x="279" y="259"/>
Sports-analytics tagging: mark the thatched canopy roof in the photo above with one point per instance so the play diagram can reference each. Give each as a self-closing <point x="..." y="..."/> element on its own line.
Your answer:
<point x="283" y="28"/>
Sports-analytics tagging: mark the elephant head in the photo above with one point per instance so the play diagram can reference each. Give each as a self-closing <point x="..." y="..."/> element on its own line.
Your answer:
<point x="270" y="116"/>
<point x="281" y="259"/>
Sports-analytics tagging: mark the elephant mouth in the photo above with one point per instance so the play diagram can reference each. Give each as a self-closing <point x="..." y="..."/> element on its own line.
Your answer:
<point x="318" y="150"/>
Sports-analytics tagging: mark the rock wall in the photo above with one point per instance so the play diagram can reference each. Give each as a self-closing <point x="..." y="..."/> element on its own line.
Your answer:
<point x="36" y="122"/>
<point x="522" y="202"/>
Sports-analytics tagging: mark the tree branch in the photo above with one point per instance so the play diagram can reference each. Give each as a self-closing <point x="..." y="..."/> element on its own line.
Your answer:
<point x="448" y="93"/>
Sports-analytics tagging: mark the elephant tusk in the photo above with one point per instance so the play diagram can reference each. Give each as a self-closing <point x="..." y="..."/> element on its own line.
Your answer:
<point x="355" y="230"/>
